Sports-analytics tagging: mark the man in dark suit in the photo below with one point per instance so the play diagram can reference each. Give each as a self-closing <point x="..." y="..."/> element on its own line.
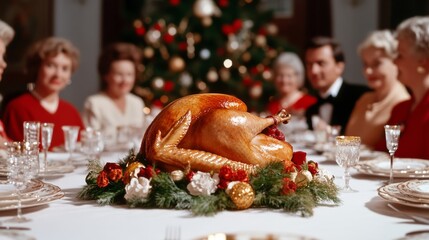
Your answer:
<point x="324" y="60"/>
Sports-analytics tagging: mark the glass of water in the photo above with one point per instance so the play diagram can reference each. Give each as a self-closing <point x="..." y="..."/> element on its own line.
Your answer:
<point x="47" y="130"/>
<point x="91" y="143"/>
<point x="70" y="138"/>
<point x="392" y="138"/>
<point x="346" y="156"/>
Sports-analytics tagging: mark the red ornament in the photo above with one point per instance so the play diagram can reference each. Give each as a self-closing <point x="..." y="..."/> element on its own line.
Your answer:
<point x="157" y="103"/>
<point x="168" y="38"/>
<point x="183" y="46"/>
<point x="174" y="2"/>
<point x="289" y="186"/>
<point x="299" y="157"/>
<point x="223" y="3"/>
<point x="226" y="173"/>
<point x="247" y="81"/>
<point x="168" y="86"/>
<point x="140" y="31"/>
<point x="237" y="24"/>
<point x="227" y="29"/>
<point x="262" y="31"/>
<point x="157" y="26"/>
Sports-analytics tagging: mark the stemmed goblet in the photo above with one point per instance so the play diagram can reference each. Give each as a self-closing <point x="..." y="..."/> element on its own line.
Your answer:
<point x="70" y="138"/>
<point x="23" y="166"/>
<point x="47" y="129"/>
<point x="392" y="138"/>
<point x="347" y="155"/>
<point x="91" y="143"/>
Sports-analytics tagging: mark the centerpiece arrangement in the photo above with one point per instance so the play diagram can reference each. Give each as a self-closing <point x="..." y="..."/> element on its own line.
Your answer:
<point x="206" y="153"/>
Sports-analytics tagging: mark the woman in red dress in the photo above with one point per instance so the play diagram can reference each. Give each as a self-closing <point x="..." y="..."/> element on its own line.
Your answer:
<point x="289" y="79"/>
<point x="413" y="66"/>
<point x="50" y="64"/>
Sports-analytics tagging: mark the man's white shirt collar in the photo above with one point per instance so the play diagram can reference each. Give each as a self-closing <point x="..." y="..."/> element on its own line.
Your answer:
<point x="334" y="89"/>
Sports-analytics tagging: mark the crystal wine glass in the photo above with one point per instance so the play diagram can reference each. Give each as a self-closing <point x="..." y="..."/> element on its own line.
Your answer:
<point x="23" y="166"/>
<point x="392" y="137"/>
<point x="347" y="155"/>
<point x="70" y="138"/>
<point x="91" y="143"/>
<point x="47" y="129"/>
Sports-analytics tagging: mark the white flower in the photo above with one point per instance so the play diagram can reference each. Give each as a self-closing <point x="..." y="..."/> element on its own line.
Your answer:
<point x="323" y="176"/>
<point x="138" y="188"/>
<point x="202" y="184"/>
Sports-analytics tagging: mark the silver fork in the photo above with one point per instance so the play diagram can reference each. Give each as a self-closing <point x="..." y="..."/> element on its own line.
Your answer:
<point x="172" y="233"/>
<point x="415" y="218"/>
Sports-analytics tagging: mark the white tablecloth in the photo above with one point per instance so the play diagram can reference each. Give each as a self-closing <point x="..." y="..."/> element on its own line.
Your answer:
<point x="361" y="215"/>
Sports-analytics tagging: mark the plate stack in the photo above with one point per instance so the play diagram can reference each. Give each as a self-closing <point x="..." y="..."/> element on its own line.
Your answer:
<point x="402" y="167"/>
<point x="35" y="193"/>
<point x="413" y="193"/>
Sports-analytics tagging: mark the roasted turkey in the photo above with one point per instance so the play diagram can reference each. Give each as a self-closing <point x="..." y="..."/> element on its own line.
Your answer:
<point x="206" y="131"/>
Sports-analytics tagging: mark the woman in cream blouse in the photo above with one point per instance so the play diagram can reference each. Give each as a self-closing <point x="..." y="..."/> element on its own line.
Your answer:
<point x="115" y="107"/>
<point x="372" y="110"/>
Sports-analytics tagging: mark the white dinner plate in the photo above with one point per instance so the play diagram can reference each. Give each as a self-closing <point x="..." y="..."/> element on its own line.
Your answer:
<point x="417" y="188"/>
<point x="393" y="190"/>
<point x="393" y="199"/>
<point x="46" y="194"/>
<point x="7" y="190"/>
<point x="402" y="167"/>
<point x="254" y="236"/>
<point x="55" y="168"/>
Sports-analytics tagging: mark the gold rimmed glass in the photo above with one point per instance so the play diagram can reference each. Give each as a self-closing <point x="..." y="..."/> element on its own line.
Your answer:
<point x="346" y="156"/>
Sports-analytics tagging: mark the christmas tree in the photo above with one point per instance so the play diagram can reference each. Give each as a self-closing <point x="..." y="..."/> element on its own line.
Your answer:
<point x="197" y="46"/>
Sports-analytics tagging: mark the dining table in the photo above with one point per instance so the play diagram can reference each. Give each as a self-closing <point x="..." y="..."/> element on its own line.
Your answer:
<point x="359" y="215"/>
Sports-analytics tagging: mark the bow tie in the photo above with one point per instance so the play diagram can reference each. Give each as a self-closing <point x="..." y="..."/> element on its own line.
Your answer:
<point x="330" y="99"/>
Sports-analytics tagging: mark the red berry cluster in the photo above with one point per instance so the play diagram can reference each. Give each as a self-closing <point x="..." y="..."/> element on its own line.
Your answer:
<point x="148" y="172"/>
<point x="227" y="175"/>
<point x="274" y="132"/>
<point x="110" y="172"/>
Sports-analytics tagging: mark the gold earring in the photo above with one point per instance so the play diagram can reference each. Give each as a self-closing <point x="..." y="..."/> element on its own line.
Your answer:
<point x="421" y="69"/>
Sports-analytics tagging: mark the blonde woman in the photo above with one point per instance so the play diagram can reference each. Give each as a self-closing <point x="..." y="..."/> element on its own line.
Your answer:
<point x="413" y="66"/>
<point x="372" y="110"/>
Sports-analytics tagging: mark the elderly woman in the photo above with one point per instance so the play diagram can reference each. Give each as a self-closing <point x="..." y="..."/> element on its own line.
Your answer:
<point x="413" y="66"/>
<point x="372" y="110"/>
<point x="6" y="36"/>
<point x="289" y="79"/>
<point x="50" y="64"/>
<point x="115" y="106"/>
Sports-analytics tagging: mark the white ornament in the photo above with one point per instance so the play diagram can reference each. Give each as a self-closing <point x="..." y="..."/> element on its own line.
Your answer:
<point x="185" y="79"/>
<point x="137" y="189"/>
<point x="323" y="176"/>
<point x="205" y="53"/>
<point x="206" y="8"/>
<point x="203" y="184"/>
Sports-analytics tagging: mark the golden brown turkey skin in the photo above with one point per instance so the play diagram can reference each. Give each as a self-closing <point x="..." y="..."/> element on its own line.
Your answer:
<point x="207" y="131"/>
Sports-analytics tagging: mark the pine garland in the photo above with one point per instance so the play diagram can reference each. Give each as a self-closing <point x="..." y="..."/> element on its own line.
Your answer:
<point x="267" y="184"/>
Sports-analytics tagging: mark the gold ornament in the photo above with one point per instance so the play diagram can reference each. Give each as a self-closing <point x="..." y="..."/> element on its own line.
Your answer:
<point x="260" y="41"/>
<point x="148" y="52"/>
<point x="212" y="75"/>
<point x="130" y="171"/>
<point x="242" y="195"/>
<point x="206" y="21"/>
<point x="246" y="56"/>
<point x="177" y="64"/>
<point x="272" y="29"/>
